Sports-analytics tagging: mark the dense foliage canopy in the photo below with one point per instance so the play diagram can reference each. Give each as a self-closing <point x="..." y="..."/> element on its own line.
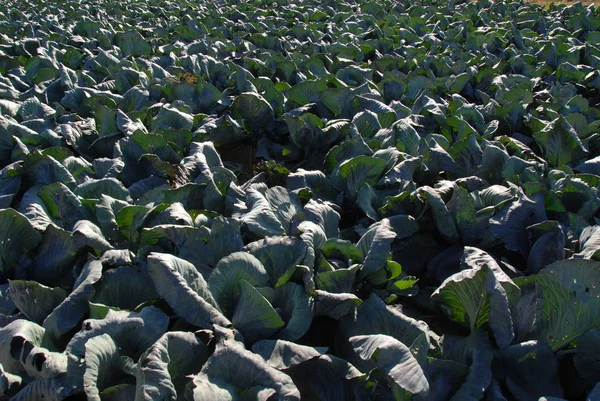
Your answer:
<point x="326" y="200"/>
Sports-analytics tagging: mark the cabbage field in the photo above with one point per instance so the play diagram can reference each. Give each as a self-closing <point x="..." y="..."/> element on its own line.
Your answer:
<point x="322" y="201"/>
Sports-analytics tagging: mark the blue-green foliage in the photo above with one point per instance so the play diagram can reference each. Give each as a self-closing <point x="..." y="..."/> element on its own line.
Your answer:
<point x="323" y="200"/>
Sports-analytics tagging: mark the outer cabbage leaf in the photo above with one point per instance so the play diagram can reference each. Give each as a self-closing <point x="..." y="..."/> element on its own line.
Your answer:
<point x="335" y="305"/>
<point x="295" y="308"/>
<point x="476" y="352"/>
<point x="55" y="257"/>
<point x="133" y="332"/>
<point x="35" y="300"/>
<point x="326" y="377"/>
<point x="352" y="174"/>
<point x="204" y="388"/>
<point x="283" y="355"/>
<point x="32" y="206"/>
<point x="375" y="244"/>
<point x="445" y="377"/>
<point x="478" y="295"/>
<point x="253" y="108"/>
<point x="23" y="330"/>
<point x="106" y="211"/>
<point x="375" y="317"/>
<point x="16" y="238"/>
<point x="132" y="43"/>
<point x="254" y="316"/>
<point x="323" y="215"/>
<point x="101" y="365"/>
<point x="185" y="290"/>
<point x="173" y="213"/>
<point x="589" y="243"/>
<point x="559" y="142"/>
<point x="64" y="207"/>
<point x="319" y="376"/>
<point x="531" y="370"/>
<point x="586" y="358"/>
<point x="55" y="389"/>
<point x="95" y="189"/>
<point x="162" y="368"/>
<point x="549" y="245"/>
<point x="74" y="308"/>
<point x="337" y="281"/>
<point x="86" y="233"/>
<point x="567" y="301"/>
<point x="125" y="287"/>
<point x="259" y="218"/>
<point x="511" y="222"/>
<point x="21" y="353"/>
<point x="395" y="359"/>
<point x="45" y="170"/>
<point x="279" y="255"/>
<point x="9" y="383"/>
<point x="442" y="217"/>
<point x="235" y="370"/>
<point x="471" y="224"/>
<point x="225" y="237"/>
<point x="285" y="204"/>
<point x="224" y="281"/>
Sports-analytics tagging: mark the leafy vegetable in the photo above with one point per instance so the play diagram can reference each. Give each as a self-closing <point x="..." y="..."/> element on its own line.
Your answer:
<point x="257" y="200"/>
